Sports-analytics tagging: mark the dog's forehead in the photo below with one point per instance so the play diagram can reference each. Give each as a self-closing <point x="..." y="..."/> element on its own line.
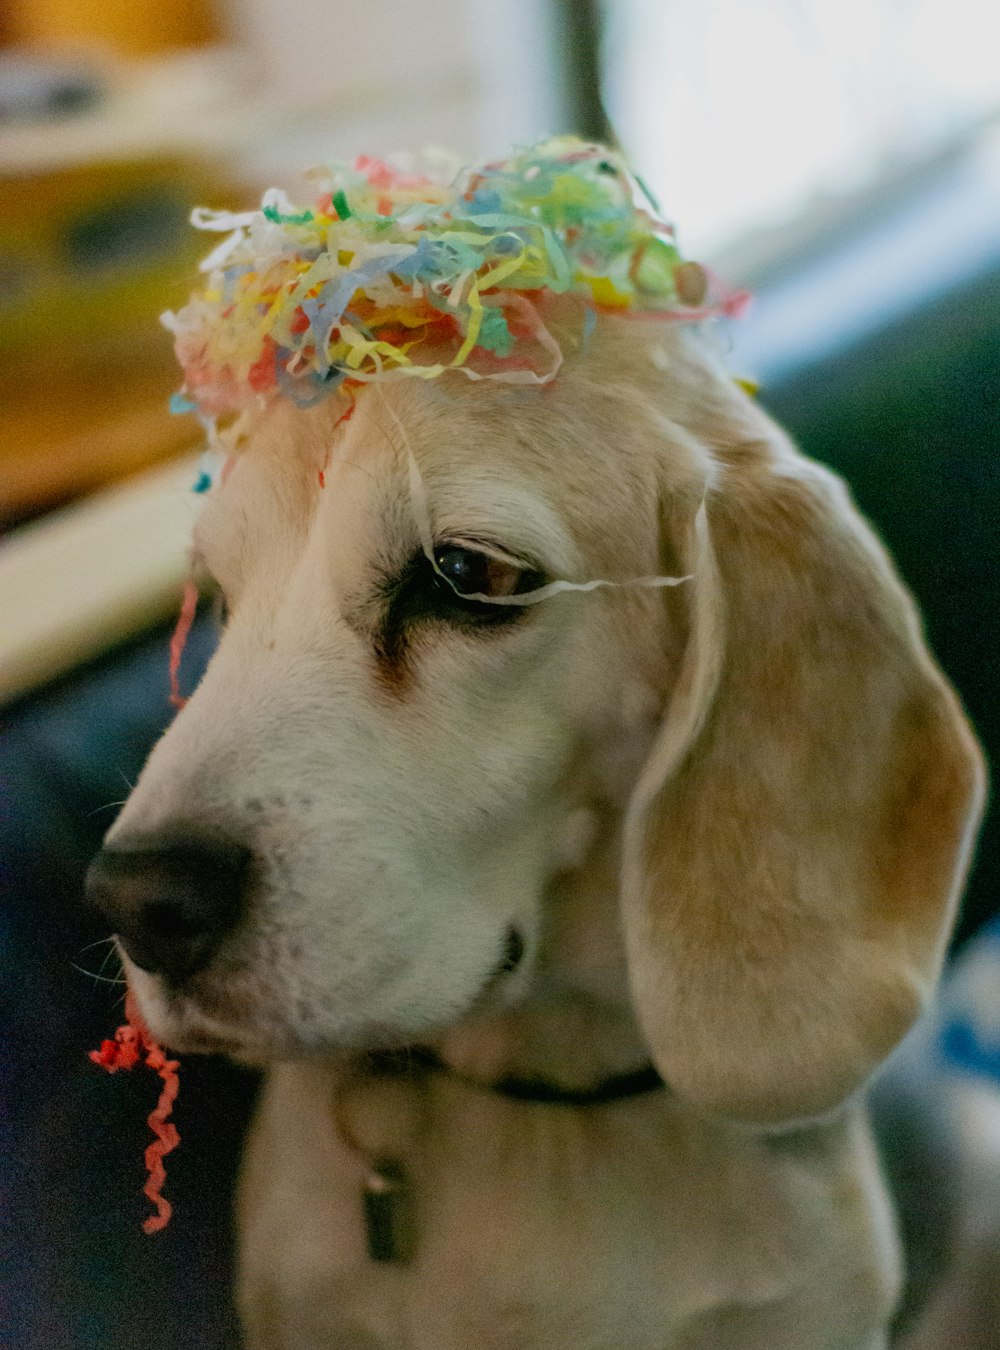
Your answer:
<point x="402" y="452"/>
<point x="556" y="473"/>
<point x="262" y="501"/>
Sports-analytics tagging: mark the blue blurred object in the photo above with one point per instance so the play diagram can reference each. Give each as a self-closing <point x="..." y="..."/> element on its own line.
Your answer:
<point x="970" y="1021"/>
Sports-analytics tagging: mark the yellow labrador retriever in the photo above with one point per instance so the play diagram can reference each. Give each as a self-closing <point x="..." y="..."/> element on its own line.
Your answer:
<point x="461" y="871"/>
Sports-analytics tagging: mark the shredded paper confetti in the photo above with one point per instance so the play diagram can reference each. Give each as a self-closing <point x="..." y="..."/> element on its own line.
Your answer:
<point x="391" y="273"/>
<point x="131" y="1044"/>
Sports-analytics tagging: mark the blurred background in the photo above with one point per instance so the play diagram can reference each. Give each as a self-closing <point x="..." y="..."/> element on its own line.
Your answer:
<point x="839" y="157"/>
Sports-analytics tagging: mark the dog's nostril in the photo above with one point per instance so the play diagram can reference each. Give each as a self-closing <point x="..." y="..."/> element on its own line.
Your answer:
<point x="171" y="904"/>
<point x="173" y="921"/>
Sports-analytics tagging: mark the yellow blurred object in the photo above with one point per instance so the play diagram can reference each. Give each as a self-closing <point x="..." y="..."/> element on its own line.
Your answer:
<point x="89" y="251"/>
<point x="605" y="293"/>
<point x="62" y="437"/>
<point x="90" y="256"/>
<point x="127" y="27"/>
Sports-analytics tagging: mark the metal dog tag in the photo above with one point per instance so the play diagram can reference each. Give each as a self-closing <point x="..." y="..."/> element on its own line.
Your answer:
<point x="388" y="1214"/>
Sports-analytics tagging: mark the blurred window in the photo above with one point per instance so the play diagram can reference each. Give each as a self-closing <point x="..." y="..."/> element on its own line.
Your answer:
<point x="748" y="113"/>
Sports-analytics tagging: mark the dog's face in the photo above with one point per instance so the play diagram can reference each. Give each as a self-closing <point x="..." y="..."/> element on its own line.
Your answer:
<point x="399" y="761"/>
<point x="350" y="834"/>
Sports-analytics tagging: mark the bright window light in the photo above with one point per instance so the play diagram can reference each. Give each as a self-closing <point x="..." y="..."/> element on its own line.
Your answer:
<point x="746" y="113"/>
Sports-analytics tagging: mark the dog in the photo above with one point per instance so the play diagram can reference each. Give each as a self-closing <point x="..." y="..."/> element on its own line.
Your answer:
<point x="570" y="932"/>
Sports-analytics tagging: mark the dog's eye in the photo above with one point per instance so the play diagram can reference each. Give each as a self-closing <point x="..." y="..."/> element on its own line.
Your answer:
<point x="447" y="591"/>
<point x="468" y="572"/>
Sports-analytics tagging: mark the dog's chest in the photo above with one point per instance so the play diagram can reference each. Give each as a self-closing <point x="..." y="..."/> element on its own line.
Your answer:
<point x="521" y="1227"/>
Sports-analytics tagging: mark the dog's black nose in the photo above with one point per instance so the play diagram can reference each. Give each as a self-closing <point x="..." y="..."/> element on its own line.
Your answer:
<point x="171" y="905"/>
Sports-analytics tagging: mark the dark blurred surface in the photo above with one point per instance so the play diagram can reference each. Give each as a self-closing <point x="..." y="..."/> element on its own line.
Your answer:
<point x="78" y="1272"/>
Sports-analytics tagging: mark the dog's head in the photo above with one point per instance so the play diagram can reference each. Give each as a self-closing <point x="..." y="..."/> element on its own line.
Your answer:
<point x="350" y="834"/>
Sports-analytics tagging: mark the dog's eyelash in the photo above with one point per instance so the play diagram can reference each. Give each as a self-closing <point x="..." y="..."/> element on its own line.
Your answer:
<point x="460" y="581"/>
<point x="471" y="575"/>
<point x="426" y="592"/>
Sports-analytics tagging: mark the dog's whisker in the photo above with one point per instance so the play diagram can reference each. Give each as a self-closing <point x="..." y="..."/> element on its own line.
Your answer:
<point x="101" y="942"/>
<point x="109" y="955"/>
<point x="95" y="975"/>
<point x="107" y="806"/>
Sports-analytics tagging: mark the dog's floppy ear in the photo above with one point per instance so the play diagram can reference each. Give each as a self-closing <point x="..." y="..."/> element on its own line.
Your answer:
<point x="800" y="831"/>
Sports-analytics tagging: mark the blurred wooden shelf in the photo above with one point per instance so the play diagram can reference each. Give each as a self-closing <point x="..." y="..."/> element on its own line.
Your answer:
<point x="79" y="580"/>
<point x="63" y="437"/>
<point x="82" y="577"/>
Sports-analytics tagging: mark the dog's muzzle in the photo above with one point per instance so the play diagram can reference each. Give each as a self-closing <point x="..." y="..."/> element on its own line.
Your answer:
<point x="171" y="903"/>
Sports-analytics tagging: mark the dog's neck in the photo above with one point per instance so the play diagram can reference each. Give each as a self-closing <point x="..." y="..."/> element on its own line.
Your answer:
<point x="569" y="1039"/>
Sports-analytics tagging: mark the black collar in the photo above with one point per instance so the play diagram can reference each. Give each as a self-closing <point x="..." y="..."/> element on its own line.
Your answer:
<point x="386" y="1193"/>
<point x="420" y="1059"/>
